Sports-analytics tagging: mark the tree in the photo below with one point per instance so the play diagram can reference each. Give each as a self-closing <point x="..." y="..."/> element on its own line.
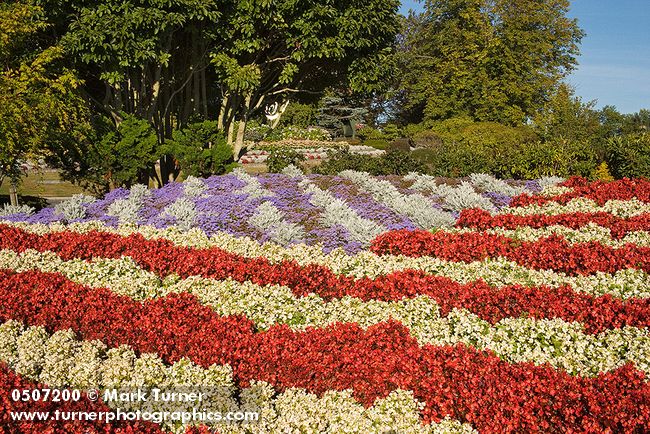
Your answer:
<point x="492" y="60"/>
<point x="274" y="50"/>
<point x="638" y="122"/>
<point x="611" y="121"/>
<point x="335" y="114"/>
<point x="566" y="117"/>
<point x="148" y="59"/>
<point x="39" y="103"/>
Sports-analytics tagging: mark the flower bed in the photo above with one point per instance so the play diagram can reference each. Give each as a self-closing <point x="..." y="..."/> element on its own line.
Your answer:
<point x="430" y="324"/>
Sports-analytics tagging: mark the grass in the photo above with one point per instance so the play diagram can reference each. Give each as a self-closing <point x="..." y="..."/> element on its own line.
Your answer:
<point x="43" y="184"/>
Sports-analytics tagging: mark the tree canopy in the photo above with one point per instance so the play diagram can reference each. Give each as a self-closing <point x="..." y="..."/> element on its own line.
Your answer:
<point x="492" y="60"/>
<point x="39" y="102"/>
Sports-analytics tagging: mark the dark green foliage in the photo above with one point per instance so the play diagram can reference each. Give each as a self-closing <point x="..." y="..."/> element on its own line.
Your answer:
<point x="393" y="162"/>
<point x="282" y="157"/>
<point x="336" y="115"/>
<point x="129" y="153"/>
<point x="299" y="115"/>
<point x="629" y="156"/>
<point x="111" y="157"/>
<point x="200" y="149"/>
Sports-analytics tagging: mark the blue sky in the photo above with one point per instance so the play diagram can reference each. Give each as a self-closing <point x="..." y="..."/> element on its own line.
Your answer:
<point x="614" y="64"/>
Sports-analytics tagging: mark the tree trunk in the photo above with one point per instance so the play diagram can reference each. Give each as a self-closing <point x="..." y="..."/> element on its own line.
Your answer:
<point x="13" y="193"/>
<point x="239" y="142"/>
<point x="241" y="130"/>
<point x="221" y="122"/>
<point x="231" y="131"/>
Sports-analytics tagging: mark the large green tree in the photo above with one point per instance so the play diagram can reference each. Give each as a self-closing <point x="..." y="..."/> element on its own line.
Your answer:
<point x="492" y="60"/>
<point x="167" y="62"/>
<point x="274" y="50"/>
<point x="39" y="101"/>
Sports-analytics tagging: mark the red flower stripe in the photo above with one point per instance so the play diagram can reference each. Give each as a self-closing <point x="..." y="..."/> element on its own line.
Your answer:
<point x="554" y="252"/>
<point x="466" y="384"/>
<point x="619" y="227"/>
<point x="9" y="381"/>
<point x="491" y="304"/>
<point x="598" y="191"/>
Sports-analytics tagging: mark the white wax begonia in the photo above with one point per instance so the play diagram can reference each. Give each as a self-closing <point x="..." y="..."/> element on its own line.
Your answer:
<point x="628" y="283"/>
<point x="618" y="208"/>
<point x="588" y="233"/>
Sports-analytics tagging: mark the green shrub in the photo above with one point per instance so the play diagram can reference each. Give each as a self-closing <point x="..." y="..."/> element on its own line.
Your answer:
<point x="281" y="157"/>
<point x="370" y="133"/>
<point x="127" y="155"/>
<point x="391" y="132"/>
<point x="524" y="161"/>
<point x="393" y="162"/>
<point x="538" y="159"/>
<point x="427" y="139"/>
<point x="298" y="115"/>
<point x="256" y="131"/>
<point x="413" y="130"/>
<point x="396" y="162"/>
<point x="342" y="159"/>
<point x="629" y="155"/>
<point x="602" y="173"/>
<point x="201" y="150"/>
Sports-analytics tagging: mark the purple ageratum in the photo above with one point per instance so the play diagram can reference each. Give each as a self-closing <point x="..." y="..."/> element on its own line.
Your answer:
<point x="337" y="236"/>
<point x="295" y="203"/>
<point x="289" y="197"/>
<point x="44" y="216"/>
<point x="227" y="212"/>
<point x="15" y="218"/>
<point x="223" y="183"/>
<point x="152" y="210"/>
<point x="97" y="210"/>
<point x="498" y="199"/>
<point x="533" y="186"/>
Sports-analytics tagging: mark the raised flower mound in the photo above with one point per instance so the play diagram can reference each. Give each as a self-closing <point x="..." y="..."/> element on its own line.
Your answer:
<point x="527" y="315"/>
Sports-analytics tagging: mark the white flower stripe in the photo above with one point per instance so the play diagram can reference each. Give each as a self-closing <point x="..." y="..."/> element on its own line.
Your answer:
<point x="60" y="360"/>
<point x="618" y="208"/>
<point x="561" y="344"/>
<point x="588" y="233"/>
